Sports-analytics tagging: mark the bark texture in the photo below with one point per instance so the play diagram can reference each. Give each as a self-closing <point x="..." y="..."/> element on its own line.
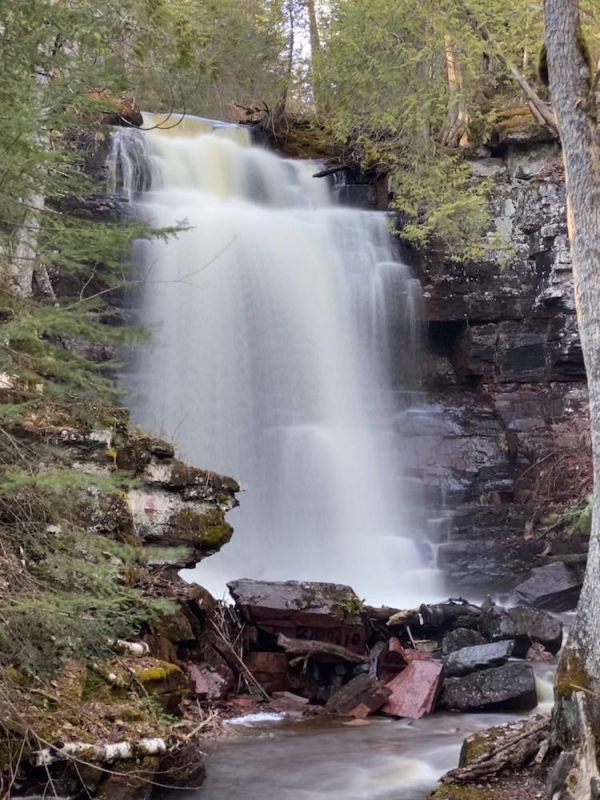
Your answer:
<point x="570" y="86"/>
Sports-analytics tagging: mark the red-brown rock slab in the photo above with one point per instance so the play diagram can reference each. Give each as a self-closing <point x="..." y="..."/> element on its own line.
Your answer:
<point x="359" y="698"/>
<point x="325" y="612"/>
<point x="408" y="654"/>
<point x="414" y="691"/>
<point x="270" y="670"/>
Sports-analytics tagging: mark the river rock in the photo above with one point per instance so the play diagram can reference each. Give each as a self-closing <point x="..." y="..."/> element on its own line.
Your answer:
<point x="459" y="638"/>
<point x="414" y="691"/>
<point x="534" y="626"/>
<point x="554" y="587"/>
<point x="359" y="698"/>
<point x="481" y="656"/>
<point x="507" y="688"/>
<point x="496" y="624"/>
<point x="325" y="612"/>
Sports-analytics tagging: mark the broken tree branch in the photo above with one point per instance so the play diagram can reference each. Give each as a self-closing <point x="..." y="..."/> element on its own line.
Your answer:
<point x="308" y="647"/>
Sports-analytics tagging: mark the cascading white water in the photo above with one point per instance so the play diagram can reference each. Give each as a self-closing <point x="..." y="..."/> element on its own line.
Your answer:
<point x="278" y="323"/>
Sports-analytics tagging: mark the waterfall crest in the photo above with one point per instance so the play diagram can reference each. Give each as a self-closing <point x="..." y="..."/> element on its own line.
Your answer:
<point x="282" y="327"/>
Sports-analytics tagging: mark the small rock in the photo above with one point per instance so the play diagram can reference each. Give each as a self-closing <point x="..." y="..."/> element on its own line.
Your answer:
<point x="359" y="698"/>
<point x="414" y="691"/>
<point x="537" y="653"/>
<point x="481" y="656"/>
<point x="207" y="683"/>
<point x="507" y="688"/>
<point x="534" y="626"/>
<point x="459" y="638"/>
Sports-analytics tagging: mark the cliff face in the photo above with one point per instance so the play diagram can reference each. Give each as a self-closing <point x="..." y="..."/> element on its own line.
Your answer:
<point x="505" y="438"/>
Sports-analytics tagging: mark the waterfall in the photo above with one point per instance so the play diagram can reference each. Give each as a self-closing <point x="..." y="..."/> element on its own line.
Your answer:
<point x="282" y="329"/>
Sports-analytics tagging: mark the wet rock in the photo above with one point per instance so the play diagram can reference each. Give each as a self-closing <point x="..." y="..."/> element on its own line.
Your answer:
<point x="537" y="653"/>
<point x="270" y="670"/>
<point x="323" y="612"/>
<point x="496" y="624"/>
<point x="414" y="691"/>
<point x="459" y="638"/>
<point x="534" y="626"/>
<point x="479" y="657"/>
<point x="287" y="701"/>
<point x="508" y="688"/>
<point x="554" y="587"/>
<point x="359" y="698"/>
<point x="207" y="683"/>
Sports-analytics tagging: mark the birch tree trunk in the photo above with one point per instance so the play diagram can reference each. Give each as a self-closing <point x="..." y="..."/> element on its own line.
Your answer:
<point x="570" y="86"/>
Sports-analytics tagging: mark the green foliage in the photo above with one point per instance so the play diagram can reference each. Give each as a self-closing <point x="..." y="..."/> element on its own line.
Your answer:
<point x="442" y="204"/>
<point x="577" y="519"/>
<point x="408" y="84"/>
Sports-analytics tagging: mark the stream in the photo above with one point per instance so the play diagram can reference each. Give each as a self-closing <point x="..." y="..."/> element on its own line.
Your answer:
<point x="273" y="758"/>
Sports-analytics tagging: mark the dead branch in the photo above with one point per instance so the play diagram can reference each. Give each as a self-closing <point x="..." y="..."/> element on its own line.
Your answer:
<point x="308" y="648"/>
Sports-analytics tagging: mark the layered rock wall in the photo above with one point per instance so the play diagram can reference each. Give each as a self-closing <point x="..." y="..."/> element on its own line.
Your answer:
<point x="504" y="438"/>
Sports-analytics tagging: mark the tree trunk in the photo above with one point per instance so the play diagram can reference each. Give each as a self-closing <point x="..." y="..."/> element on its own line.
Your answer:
<point x="570" y="83"/>
<point x="315" y="53"/>
<point x="455" y="132"/>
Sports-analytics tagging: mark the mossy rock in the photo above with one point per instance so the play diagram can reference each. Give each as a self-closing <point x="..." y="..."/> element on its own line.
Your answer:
<point x="209" y="531"/>
<point x="478" y="744"/>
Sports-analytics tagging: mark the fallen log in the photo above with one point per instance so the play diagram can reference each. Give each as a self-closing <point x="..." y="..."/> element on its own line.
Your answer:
<point x="308" y="648"/>
<point x="438" y="617"/>
<point x="98" y="753"/>
<point x="515" y="751"/>
<point x="330" y="171"/>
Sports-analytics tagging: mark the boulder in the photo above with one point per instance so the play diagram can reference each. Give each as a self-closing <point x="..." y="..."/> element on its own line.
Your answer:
<point x="480" y="656"/>
<point x="359" y="698"/>
<point x="507" y="688"/>
<point x="534" y="626"/>
<point x="414" y="691"/>
<point x="496" y="624"/>
<point x="459" y="638"/>
<point x="554" y="587"/>
<point x="325" y="612"/>
<point x="270" y="670"/>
